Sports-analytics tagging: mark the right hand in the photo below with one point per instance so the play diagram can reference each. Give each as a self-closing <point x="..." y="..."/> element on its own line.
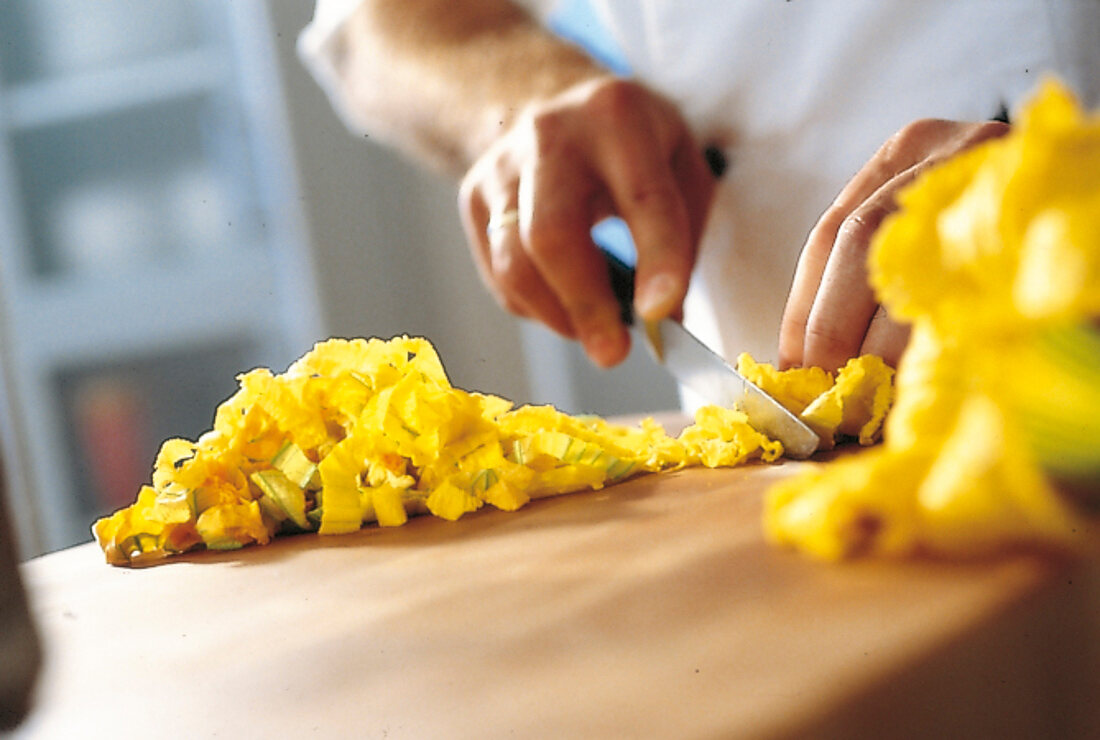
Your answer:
<point x="604" y="147"/>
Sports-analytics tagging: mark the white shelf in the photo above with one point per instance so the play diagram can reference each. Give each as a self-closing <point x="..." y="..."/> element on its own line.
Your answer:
<point x="78" y="96"/>
<point x="162" y="308"/>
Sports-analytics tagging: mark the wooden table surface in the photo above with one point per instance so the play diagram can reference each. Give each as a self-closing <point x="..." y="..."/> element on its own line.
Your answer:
<point x="653" y="608"/>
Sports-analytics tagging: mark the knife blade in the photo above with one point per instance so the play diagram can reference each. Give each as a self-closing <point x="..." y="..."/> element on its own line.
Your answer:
<point x="702" y="370"/>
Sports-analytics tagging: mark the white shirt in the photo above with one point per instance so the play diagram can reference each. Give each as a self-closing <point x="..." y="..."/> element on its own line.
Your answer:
<point x="799" y="94"/>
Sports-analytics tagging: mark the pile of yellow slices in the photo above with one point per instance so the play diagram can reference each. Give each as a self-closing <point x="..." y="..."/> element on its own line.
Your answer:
<point x="371" y="431"/>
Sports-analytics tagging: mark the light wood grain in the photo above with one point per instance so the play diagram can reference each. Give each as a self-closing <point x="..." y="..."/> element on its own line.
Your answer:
<point x="653" y="608"/>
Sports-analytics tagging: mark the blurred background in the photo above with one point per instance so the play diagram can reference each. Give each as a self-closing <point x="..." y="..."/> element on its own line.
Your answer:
<point x="178" y="204"/>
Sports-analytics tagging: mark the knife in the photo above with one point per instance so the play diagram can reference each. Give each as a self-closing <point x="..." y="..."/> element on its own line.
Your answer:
<point x="696" y="366"/>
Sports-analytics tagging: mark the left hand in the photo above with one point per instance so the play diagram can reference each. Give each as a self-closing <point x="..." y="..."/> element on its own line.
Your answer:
<point x="831" y="313"/>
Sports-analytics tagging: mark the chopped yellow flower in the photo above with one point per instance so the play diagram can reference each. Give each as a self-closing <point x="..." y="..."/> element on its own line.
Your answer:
<point x="505" y="496"/>
<point x="856" y="404"/>
<point x="340" y="471"/>
<point x="796" y="388"/>
<point x="371" y="431"/>
<point x="173" y="505"/>
<point x="448" y="501"/>
<point x="388" y="505"/>
<point x="723" y="437"/>
<point x="229" y="525"/>
<point x="851" y="404"/>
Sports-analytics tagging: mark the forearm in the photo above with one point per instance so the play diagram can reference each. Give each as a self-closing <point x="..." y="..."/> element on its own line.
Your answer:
<point x="442" y="79"/>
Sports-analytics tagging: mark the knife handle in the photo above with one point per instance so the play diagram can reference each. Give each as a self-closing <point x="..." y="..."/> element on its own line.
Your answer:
<point x="621" y="276"/>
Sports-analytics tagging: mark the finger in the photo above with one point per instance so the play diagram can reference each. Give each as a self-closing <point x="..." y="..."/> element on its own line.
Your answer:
<point x="908" y="147"/>
<point x="807" y="279"/>
<point x="478" y="193"/>
<point x="635" y="166"/>
<point x="499" y="256"/>
<point x="840" y="314"/>
<point x="696" y="183"/>
<point x="845" y="302"/>
<point x="816" y="256"/>
<point x="885" y="338"/>
<point x="474" y="214"/>
<point x="556" y="195"/>
<point x="817" y="252"/>
<point x="917" y="146"/>
<point x="521" y="286"/>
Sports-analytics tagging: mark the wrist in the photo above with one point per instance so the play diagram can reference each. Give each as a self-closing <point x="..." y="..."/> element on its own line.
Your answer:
<point x="530" y="73"/>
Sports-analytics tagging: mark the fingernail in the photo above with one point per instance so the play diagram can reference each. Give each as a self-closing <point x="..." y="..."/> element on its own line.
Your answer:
<point x="658" y="296"/>
<point x="601" y="346"/>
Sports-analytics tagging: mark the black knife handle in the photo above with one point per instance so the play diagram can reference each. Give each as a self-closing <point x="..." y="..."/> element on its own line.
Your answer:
<point x="621" y="276"/>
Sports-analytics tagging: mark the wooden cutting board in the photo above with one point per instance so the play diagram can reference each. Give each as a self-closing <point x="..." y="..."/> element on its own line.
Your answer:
<point x="653" y="608"/>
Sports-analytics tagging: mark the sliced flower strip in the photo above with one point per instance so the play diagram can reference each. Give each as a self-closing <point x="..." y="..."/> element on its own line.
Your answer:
<point x="994" y="257"/>
<point x="850" y="405"/>
<point x="370" y="431"/>
<point x="796" y="388"/>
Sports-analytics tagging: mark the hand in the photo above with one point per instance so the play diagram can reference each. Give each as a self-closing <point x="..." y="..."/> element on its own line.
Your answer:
<point x="831" y="313"/>
<point x="603" y="147"/>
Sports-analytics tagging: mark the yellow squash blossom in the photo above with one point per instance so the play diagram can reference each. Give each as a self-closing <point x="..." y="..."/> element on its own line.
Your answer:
<point x="994" y="259"/>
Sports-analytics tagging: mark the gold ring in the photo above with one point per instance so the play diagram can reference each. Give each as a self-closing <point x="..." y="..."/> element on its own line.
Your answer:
<point x="502" y="220"/>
